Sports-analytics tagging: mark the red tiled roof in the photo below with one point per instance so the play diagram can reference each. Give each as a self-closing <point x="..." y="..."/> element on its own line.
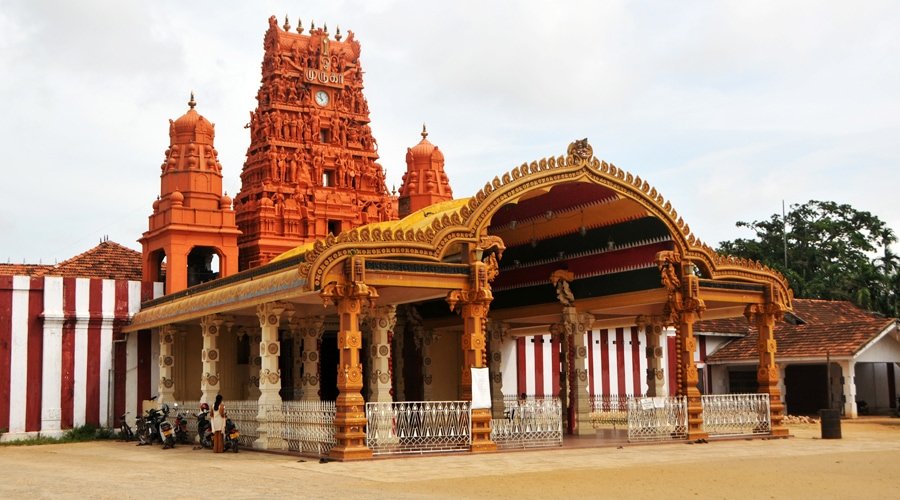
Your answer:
<point x="108" y="260"/>
<point x="24" y="269"/>
<point x="830" y="327"/>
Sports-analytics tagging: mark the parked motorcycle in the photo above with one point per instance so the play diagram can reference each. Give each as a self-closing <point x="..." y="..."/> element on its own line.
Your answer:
<point x="231" y="436"/>
<point x="166" y="430"/>
<point x="125" y="432"/>
<point x="204" y="427"/>
<point x="181" y="434"/>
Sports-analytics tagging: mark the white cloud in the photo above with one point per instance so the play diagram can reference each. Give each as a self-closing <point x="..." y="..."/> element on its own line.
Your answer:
<point x="726" y="108"/>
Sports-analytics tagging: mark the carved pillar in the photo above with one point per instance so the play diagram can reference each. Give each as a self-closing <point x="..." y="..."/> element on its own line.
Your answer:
<point x="498" y="332"/>
<point x="425" y="340"/>
<point x="307" y="362"/>
<point x="350" y="416"/>
<point x="166" y="386"/>
<point x="763" y="317"/>
<point x="253" y="368"/>
<point x="210" y="377"/>
<point x="472" y="306"/>
<point x="656" y="376"/>
<point x="576" y="326"/>
<point x="687" y="345"/>
<point x="270" y="414"/>
<point x="683" y="308"/>
<point x="381" y="321"/>
<point x="400" y="329"/>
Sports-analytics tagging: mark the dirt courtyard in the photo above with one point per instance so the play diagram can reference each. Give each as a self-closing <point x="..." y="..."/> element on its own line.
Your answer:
<point x="863" y="463"/>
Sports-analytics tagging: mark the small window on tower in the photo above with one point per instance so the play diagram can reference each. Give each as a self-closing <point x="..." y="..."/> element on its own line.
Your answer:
<point x="325" y="135"/>
<point x="328" y="178"/>
<point x="334" y="227"/>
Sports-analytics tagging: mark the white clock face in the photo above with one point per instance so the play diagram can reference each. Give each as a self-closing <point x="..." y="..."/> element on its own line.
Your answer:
<point x="322" y="98"/>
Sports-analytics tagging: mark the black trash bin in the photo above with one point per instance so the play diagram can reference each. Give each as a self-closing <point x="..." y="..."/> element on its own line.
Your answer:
<point x="830" y="421"/>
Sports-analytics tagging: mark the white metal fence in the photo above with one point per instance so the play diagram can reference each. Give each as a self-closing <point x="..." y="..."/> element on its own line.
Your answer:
<point x="609" y="411"/>
<point x="528" y="423"/>
<point x="309" y="426"/>
<point x="656" y="418"/>
<point x="736" y="414"/>
<point x="418" y="427"/>
<point x="243" y="416"/>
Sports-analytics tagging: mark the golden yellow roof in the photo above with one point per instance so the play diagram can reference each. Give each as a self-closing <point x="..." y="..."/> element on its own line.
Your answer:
<point x="419" y="219"/>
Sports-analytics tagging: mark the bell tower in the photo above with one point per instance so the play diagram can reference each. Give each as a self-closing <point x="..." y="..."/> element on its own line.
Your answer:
<point x="424" y="182"/>
<point x="311" y="166"/>
<point x="192" y="224"/>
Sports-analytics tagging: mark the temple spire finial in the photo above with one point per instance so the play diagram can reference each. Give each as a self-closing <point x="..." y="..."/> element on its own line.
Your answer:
<point x="337" y="36"/>
<point x="192" y="102"/>
<point x="300" y="26"/>
<point x="424" y="132"/>
<point x="287" y="24"/>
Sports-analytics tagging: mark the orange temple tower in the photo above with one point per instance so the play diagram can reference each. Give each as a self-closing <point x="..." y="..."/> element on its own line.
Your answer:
<point x="425" y="182"/>
<point x="311" y="166"/>
<point x="192" y="222"/>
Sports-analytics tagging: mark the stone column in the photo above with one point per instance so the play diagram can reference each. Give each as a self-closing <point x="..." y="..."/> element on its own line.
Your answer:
<point x="498" y="333"/>
<point x="166" y="386"/>
<point x="253" y="369"/>
<point x="350" y="416"/>
<point x="848" y="369"/>
<point x="656" y="375"/>
<point x="270" y="414"/>
<point x="576" y="325"/>
<point x="763" y="317"/>
<point x="210" y="377"/>
<point x="472" y="306"/>
<point x="381" y="322"/>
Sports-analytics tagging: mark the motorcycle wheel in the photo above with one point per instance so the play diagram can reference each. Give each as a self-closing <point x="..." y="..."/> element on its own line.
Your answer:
<point x="234" y="446"/>
<point x="169" y="443"/>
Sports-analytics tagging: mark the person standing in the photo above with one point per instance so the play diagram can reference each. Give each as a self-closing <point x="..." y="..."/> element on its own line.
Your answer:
<point x="218" y="425"/>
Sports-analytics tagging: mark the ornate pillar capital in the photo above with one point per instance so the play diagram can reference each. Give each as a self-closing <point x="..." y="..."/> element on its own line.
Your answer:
<point x="269" y="313"/>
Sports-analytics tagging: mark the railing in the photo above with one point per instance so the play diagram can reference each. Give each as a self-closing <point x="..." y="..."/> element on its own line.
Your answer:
<point x="656" y="418"/>
<point x="243" y="415"/>
<point x="528" y="423"/>
<point x="418" y="427"/>
<point x="309" y="426"/>
<point x="736" y="414"/>
<point x="609" y="410"/>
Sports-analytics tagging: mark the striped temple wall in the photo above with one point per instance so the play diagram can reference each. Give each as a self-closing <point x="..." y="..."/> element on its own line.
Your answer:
<point x="63" y="359"/>
<point x="616" y="362"/>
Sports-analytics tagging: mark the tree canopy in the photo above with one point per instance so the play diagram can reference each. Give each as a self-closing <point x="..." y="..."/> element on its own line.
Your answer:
<point x="833" y="252"/>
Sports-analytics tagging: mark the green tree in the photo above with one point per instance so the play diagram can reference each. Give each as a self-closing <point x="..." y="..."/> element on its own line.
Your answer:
<point x="833" y="252"/>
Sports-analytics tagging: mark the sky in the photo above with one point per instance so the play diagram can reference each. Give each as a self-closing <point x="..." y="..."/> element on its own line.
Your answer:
<point x="727" y="108"/>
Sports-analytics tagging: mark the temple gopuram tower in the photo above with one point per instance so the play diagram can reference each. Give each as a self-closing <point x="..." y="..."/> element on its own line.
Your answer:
<point x="192" y="222"/>
<point x="311" y="166"/>
<point x="424" y="182"/>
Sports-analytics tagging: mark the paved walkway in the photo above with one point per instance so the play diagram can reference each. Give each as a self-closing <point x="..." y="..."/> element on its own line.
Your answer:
<point x="803" y="466"/>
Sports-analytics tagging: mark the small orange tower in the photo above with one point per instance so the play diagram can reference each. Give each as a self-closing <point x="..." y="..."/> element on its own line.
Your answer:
<point x="424" y="182"/>
<point x="192" y="222"/>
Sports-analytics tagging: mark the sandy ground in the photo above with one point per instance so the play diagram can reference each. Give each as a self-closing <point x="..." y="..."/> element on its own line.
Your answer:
<point x="862" y="464"/>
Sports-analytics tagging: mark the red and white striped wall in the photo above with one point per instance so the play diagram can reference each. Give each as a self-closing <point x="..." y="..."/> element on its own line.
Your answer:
<point x="62" y="356"/>
<point x="616" y="362"/>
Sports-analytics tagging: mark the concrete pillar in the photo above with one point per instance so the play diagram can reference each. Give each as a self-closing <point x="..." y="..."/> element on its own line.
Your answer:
<point x="381" y="321"/>
<point x="210" y="379"/>
<point x="166" y="388"/>
<point x="498" y="333"/>
<point x="848" y="373"/>
<point x="270" y="416"/>
<point x="656" y="374"/>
